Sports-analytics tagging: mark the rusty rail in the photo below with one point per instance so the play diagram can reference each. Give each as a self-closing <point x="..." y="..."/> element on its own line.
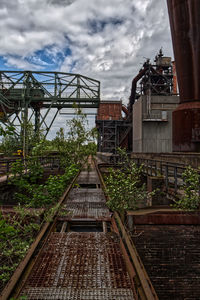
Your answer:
<point x="11" y="285"/>
<point x="127" y="278"/>
<point x="145" y="287"/>
<point x="137" y="271"/>
<point x="89" y="264"/>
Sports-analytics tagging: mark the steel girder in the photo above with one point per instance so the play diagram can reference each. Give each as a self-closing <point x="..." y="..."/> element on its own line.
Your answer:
<point x="37" y="97"/>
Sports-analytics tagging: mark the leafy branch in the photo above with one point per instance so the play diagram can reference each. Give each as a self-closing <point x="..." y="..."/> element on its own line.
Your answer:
<point x="190" y="199"/>
<point x="123" y="185"/>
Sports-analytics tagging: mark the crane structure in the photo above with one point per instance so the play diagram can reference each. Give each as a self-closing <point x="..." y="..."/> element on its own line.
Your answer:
<point x="38" y="97"/>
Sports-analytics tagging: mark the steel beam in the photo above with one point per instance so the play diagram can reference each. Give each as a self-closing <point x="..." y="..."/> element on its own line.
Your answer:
<point x="23" y="91"/>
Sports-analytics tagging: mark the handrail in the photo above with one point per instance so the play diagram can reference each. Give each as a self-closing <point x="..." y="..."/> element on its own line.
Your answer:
<point x="139" y="275"/>
<point x="46" y="162"/>
<point x="169" y="171"/>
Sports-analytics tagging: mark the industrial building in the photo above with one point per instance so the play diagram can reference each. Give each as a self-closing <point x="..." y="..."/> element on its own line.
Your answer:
<point x="153" y="129"/>
<point x="161" y="121"/>
<point x="114" y="126"/>
<point x="146" y="124"/>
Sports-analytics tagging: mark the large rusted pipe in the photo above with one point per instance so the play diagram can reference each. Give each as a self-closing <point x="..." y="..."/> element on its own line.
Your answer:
<point x="134" y="84"/>
<point x="184" y="18"/>
<point x="125" y="110"/>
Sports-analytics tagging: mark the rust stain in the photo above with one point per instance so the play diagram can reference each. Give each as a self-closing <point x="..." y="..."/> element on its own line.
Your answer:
<point x="184" y="18"/>
<point x="71" y="262"/>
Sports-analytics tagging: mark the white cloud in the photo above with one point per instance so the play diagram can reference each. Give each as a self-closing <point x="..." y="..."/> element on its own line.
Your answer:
<point x="107" y="39"/>
<point x="18" y="62"/>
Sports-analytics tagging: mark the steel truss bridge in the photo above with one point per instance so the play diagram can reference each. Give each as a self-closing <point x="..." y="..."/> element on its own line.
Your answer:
<point x="38" y="97"/>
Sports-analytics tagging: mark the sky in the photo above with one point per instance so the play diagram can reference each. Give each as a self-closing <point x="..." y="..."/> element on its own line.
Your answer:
<point x="107" y="40"/>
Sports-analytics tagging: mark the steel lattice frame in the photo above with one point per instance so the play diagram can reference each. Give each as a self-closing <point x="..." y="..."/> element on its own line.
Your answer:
<point x="27" y="96"/>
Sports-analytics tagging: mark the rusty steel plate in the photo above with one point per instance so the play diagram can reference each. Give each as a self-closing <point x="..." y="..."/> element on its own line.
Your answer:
<point x="86" y="195"/>
<point x="79" y="266"/>
<point x="87" y="210"/>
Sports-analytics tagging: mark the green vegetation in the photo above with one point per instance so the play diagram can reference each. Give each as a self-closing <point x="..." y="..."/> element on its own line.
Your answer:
<point x="78" y="143"/>
<point x="72" y="147"/>
<point x="9" y="142"/>
<point x="20" y="298"/>
<point x="17" y="232"/>
<point x="123" y="185"/>
<point x="191" y="198"/>
<point x="35" y="195"/>
<point x="7" y="131"/>
<point x="37" y="202"/>
<point x="12" y="142"/>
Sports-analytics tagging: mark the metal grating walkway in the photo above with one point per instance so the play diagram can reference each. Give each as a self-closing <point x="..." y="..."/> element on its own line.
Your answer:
<point x="80" y="266"/>
<point x="86" y="203"/>
<point x="85" y="210"/>
<point x="86" y="195"/>
<point x="70" y="294"/>
<point x="88" y="178"/>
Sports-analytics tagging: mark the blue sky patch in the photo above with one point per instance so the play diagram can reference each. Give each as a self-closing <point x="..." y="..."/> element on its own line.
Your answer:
<point x="3" y="65"/>
<point x="99" y="25"/>
<point x="46" y="59"/>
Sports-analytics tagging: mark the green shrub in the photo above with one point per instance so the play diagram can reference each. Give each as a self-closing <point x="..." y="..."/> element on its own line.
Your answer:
<point x="123" y="186"/>
<point x="40" y="195"/>
<point x="190" y="200"/>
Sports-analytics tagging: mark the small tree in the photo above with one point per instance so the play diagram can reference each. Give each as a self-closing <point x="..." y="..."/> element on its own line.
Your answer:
<point x="191" y="199"/>
<point x="7" y="130"/>
<point x="78" y="143"/>
<point x="32" y="138"/>
<point x="12" y="142"/>
<point x="123" y="186"/>
<point x="9" y="142"/>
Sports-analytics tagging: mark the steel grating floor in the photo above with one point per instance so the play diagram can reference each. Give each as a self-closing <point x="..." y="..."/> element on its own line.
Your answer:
<point x="88" y="178"/>
<point x="80" y="266"/>
<point x="85" y="210"/>
<point x="89" y="203"/>
<point x="86" y="195"/>
<point x="71" y="294"/>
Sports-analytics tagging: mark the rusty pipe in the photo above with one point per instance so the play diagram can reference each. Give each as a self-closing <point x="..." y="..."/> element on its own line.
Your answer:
<point x="184" y="16"/>
<point x="134" y="85"/>
<point x="125" y="110"/>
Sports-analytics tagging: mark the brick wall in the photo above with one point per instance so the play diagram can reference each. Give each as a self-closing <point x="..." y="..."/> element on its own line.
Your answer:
<point x="171" y="256"/>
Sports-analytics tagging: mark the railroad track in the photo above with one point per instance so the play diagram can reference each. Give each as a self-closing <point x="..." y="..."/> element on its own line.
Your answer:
<point x="84" y="254"/>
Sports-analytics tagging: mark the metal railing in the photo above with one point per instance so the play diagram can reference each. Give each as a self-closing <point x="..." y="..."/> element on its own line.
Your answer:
<point x="171" y="172"/>
<point x="45" y="162"/>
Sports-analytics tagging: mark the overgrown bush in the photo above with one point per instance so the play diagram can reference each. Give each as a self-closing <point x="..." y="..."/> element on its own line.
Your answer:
<point x="123" y="185"/>
<point x="30" y="193"/>
<point x="78" y="143"/>
<point x="17" y="232"/>
<point x="190" y="199"/>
